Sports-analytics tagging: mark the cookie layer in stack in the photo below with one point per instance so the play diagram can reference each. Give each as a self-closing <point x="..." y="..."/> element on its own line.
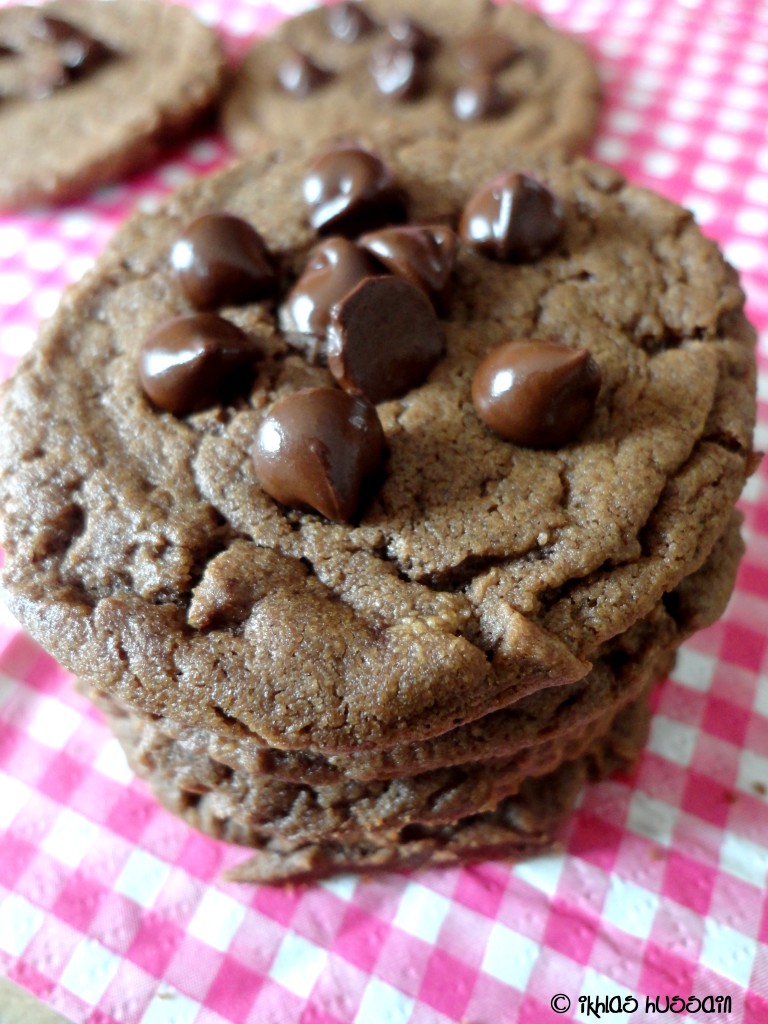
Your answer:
<point x="368" y="492"/>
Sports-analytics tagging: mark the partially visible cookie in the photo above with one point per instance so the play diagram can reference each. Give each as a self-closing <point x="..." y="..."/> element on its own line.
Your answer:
<point x="90" y="90"/>
<point x="490" y="73"/>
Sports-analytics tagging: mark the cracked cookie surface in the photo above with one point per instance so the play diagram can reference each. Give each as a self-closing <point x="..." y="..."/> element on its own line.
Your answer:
<point x="479" y="573"/>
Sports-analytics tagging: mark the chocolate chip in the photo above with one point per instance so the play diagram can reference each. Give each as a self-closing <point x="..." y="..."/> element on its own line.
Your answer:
<point x="512" y="218"/>
<point x="221" y="260"/>
<point x="350" y="190"/>
<point x="349" y="22"/>
<point x="536" y="393"/>
<point x="398" y="71"/>
<point x="7" y="51"/>
<point x="423" y="254"/>
<point x="299" y="75"/>
<point x="487" y="52"/>
<point x="79" y="52"/>
<point x="318" y="448"/>
<point x="411" y="34"/>
<point x="480" y="99"/>
<point x="383" y="338"/>
<point x="193" y="362"/>
<point x="334" y="267"/>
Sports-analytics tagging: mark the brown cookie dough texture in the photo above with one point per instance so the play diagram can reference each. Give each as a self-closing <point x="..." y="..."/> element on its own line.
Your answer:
<point x="434" y="680"/>
<point x="164" y="72"/>
<point x="551" y="90"/>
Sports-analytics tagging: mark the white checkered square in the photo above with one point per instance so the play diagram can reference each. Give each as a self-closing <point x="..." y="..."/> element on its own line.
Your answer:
<point x="90" y="970"/>
<point x="170" y="1007"/>
<point x="651" y="818"/>
<point x="70" y="838"/>
<point x="600" y="985"/>
<point x="753" y="768"/>
<point x="694" y="669"/>
<point x="298" y="964"/>
<point x="216" y="919"/>
<point x="630" y="907"/>
<point x="112" y="762"/>
<point x="744" y="859"/>
<point x="13" y="796"/>
<point x="8" y="687"/>
<point x="672" y="740"/>
<point x="727" y="952"/>
<point x="20" y="921"/>
<point x="421" y="912"/>
<point x="52" y="722"/>
<point x="543" y="873"/>
<point x="510" y="956"/>
<point x="142" y="877"/>
<point x="383" y="1003"/>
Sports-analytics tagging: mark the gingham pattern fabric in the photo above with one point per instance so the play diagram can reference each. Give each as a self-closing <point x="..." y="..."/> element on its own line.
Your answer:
<point x="111" y="910"/>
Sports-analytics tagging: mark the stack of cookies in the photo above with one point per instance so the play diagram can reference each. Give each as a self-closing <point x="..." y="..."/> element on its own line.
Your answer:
<point x="359" y="602"/>
<point x="370" y="484"/>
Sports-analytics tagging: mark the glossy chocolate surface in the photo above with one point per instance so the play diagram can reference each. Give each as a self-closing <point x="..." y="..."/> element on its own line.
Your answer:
<point x="334" y="267"/>
<point x="383" y="338"/>
<point x="350" y="190"/>
<point x="423" y="254"/>
<point x="398" y="71"/>
<point x="222" y="260"/>
<point x="79" y="52"/>
<point x="317" y="449"/>
<point x="408" y="32"/>
<point x="512" y="218"/>
<point x="540" y="394"/>
<point x="299" y="75"/>
<point x="190" y="363"/>
<point x="348" y="21"/>
<point x="480" y="98"/>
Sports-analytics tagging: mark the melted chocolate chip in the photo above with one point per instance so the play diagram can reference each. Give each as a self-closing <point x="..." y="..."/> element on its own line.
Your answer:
<point x="333" y="269"/>
<point x="424" y="255"/>
<point x="299" y="75"/>
<point x="536" y="393"/>
<point x="411" y="34"/>
<point x="479" y="99"/>
<point x="349" y="22"/>
<point x="487" y="52"/>
<point x="398" y="71"/>
<point x="318" y="448"/>
<point x="79" y="52"/>
<point x="383" y="338"/>
<point x="512" y="218"/>
<point x="350" y="190"/>
<point x="192" y="362"/>
<point x="221" y="260"/>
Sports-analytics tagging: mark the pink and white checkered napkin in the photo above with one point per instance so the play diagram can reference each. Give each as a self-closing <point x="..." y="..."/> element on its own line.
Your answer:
<point x="111" y="910"/>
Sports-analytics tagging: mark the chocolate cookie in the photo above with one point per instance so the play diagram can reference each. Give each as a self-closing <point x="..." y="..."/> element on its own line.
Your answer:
<point x="90" y="91"/>
<point x="196" y="758"/>
<point x="363" y="486"/>
<point x="492" y="75"/>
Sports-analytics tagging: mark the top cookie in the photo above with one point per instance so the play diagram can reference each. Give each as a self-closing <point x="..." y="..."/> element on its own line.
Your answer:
<point x="159" y="555"/>
<point x="494" y="75"/>
<point x="91" y="90"/>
